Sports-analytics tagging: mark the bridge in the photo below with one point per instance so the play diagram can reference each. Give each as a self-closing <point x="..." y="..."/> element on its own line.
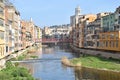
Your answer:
<point x="53" y="40"/>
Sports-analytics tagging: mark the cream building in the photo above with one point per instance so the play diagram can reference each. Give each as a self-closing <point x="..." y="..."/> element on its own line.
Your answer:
<point x="2" y="30"/>
<point x="58" y="31"/>
<point x="73" y="23"/>
<point x="13" y="18"/>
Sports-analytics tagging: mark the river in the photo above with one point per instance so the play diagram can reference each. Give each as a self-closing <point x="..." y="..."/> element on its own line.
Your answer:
<point x="54" y="70"/>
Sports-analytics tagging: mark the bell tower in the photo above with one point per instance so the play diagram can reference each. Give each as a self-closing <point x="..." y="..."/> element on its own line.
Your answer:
<point x="77" y="10"/>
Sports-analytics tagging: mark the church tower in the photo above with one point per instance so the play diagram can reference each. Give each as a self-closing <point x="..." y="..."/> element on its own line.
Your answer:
<point x="77" y="10"/>
<point x="31" y="20"/>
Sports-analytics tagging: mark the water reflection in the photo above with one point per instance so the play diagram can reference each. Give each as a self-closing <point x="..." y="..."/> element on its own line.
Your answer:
<point x="54" y="70"/>
<point x="94" y="74"/>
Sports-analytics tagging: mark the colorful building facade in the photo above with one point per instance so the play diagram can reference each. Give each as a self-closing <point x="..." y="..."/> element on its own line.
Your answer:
<point x="110" y="37"/>
<point x="80" y="29"/>
<point x="2" y="30"/>
<point x="99" y="31"/>
<point x="92" y="31"/>
<point x="13" y="19"/>
<point x="109" y="41"/>
<point x="15" y="34"/>
<point x="29" y="33"/>
<point x="108" y="22"/>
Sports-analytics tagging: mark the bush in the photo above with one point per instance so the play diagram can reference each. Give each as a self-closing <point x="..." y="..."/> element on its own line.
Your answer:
<point x="4" y="76"/>
<point x="15" y="73"/>
<point x="16" y="64"/>
<point x="20" y="72"/>
<point x="9" y="65"/>
<point x="22" y="57"/>
<point x="34" y="56"/>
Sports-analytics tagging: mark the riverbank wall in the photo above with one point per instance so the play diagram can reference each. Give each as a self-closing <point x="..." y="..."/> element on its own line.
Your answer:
<point x="14" y="55"/>
<point x="82" y="52"/>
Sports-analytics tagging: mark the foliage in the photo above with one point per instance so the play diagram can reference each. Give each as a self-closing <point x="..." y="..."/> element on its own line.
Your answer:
<point x="34" y="56"/>
<point x="12" y="72"/>
<point x="22" y="57"/>
<point x="97" y="62"/>
<point x="16" y="64"/>
<point x="5" y="76"/>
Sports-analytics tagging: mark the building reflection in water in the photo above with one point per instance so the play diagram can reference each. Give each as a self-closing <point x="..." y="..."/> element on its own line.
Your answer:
<point x="30" y="66"/>
<point x="48" y="50"/>
<point x="39" y="52"/>
<point x="94" y="74"/>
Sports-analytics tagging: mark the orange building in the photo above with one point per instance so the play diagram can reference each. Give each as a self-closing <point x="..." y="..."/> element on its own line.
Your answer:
<point x="83" y="21"/>
<point x="28" y="34"/>
<point x="23" y="25"/>
<point x="109" y="41"/>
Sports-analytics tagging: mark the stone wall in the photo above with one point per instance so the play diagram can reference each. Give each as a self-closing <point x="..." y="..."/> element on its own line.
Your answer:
<point x="115" y="55"/>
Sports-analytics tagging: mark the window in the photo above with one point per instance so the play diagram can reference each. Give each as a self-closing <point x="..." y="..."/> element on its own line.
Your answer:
<point x="98" y="45"/>
<point x="1" y="10"/>
<point x="1" y="35"/>
<point x="6" y="48"/>
<point x="111" y="17"/>
<point x="110" y="43"/>
<point x="103" y="36"/>
<point x="11" y="48"/>
<point x="107" y="23"/>
<point x="9" y="21"/>
<point x="117" y="36"/>
<point x="105" y="29"/>
<point x="102" y="44"/>
<point x="106" y="43"/>
<point x="111" y="36"/>
<point x="1" y="22"/>
<point x="116" y="43"/>
<point x="119" y="20"/>
<point x="6" y="38"/>
<point x="87" y="19"/>
<point x="116" y="20"/>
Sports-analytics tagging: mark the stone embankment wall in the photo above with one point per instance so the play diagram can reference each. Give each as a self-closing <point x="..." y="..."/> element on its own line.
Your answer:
<point x="78" y="51"/>
<point x="15" y="55"/>
<point x="3" y="61"/>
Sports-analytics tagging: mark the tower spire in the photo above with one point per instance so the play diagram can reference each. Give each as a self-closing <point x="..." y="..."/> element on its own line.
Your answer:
<point x="31" y="20"/>
<point x="77" y="10"/>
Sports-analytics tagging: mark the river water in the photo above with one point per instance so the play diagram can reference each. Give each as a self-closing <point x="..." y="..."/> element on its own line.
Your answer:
<point x="50" y="67"/>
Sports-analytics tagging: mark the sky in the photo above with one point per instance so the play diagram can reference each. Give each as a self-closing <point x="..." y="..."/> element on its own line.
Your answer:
<point x="57" y="12"/>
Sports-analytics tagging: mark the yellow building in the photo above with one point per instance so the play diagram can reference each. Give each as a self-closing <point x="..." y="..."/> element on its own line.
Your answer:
<point x="2" y="31"/>
<point x="109" y="41"/>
